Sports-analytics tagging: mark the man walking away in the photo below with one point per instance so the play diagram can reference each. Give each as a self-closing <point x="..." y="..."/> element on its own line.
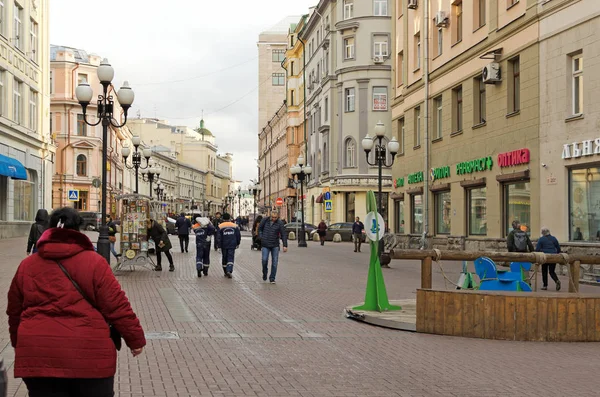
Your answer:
<point x="37" y="229"/>
<point x="216" y="222"/>
<point x="518" y="240"/>
<point x="271" y="229"/>
<point x="112" y="235"/>
<point x="548" y="244"/>
<point x="183" y="226"/>
<point x="357" y="231"/>
<point x="322" y="231"/>
<point x="229" y="239"/>
<point x="203" y="231"/>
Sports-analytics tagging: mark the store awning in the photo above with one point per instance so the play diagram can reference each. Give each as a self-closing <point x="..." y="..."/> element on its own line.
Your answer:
<point x="319" y="199"/>
<point x="12" y="168"/>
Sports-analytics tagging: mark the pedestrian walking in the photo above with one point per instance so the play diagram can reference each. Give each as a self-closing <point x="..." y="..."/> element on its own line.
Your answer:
<point x="112" y="235"/>
<point x="204" y="231"/>
<point x="322" y="231"/>
<point x="183" y="226"/>
<point x="270" y="231"/>
<point x="161" y="240"/>
<point x="518" y="240"/>
<point x="229" y="239"/>
<point x="255" y="237"/>
<point x="37" y="229"/>
<point x="216" y="222"/>
<point x="548" y="244"/>
<point x="60" y="304"/>
<point x="357" y="233"/>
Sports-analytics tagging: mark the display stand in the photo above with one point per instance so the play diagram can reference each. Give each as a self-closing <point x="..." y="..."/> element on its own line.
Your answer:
<point x="135" y="212"/>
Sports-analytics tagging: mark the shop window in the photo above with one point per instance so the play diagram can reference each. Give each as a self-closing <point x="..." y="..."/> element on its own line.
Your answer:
<point x="416" y="203"/>
<point x="517" y="205"/>
<point x="399" y="214"/>
<point x="477" y="211"/>
<point x="584" y="204"/>
<point x="350" y="207"/>
<point x="443" y="212"/>
<point x="24" y="198"/>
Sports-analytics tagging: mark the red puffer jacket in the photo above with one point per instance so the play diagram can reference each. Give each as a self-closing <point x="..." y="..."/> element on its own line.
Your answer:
<point x="55" y="331"/>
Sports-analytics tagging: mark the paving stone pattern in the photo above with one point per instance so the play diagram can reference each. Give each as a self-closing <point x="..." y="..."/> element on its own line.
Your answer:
<point x="245" y="337"/>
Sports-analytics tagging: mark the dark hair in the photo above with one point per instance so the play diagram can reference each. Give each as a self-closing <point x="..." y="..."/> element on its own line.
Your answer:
<point x="182" y="214"/>
<point x="69" y="217"/>
<point x="42" y="217"/>
<point x="226" y="216"/>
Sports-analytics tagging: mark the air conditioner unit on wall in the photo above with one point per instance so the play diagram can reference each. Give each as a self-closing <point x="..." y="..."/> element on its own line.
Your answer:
<point x="413" y="4"/>
<point x="491" y="73"/>
<point x="378" y="59"/>
<point x="440" y="19"/>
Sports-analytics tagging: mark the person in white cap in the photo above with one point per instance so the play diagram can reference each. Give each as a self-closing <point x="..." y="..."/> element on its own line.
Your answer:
<point x="204" y="231"/>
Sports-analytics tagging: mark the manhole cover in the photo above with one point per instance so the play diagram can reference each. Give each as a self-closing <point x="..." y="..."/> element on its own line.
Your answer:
<point x="162" y="335"/>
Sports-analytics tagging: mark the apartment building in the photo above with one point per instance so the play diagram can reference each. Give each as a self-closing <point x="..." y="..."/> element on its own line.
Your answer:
<point x="26" y="150"/>
<point x="467" y="114"/>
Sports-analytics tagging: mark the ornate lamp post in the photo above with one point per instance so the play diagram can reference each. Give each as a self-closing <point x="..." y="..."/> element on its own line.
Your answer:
<point x="136" y="159"/>
<point x="239" y="195"/>
<point x="380" y="161"/>
<point x="301" y="173"/>
<point x="256" y="189"/>
<point x="159" y="190"/>
<point x="150" y="175"/>
<point x="105" y="116"/>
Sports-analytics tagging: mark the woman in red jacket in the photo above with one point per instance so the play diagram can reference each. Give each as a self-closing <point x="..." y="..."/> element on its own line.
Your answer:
<point x="62" y="342"/>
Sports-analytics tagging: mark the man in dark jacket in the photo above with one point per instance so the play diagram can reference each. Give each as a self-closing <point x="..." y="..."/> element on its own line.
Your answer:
<point x="161" y="240"/>
<point x="40" y="225"/>
<point x="357" y="231"/>
<point x="518" y="240"/>
<point x="112" y="235"/>
<point x="271" y="229"/>
<point x="204" y="230"/>
<point x="229" y="239"/>
<point x="548" y="244"/>
<point x="183" y="225"/>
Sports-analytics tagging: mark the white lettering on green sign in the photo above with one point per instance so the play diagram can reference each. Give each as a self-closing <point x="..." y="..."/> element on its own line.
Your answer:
<point x="478" y="165"/>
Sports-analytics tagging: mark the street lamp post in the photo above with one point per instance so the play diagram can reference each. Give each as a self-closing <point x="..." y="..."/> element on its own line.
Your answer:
<point x="150" y="175"/>
<point x="239" y="201"/>
<point x="159" y="190"/>
<point x="301" y="172"/>
<point x="256" y="189"/>
<point x="380" y="161"/>
<point x="105" y="115"/>
<point x="136" y="159"/>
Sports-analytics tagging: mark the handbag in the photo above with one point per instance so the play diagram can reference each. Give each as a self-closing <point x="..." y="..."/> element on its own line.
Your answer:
<point x="115" y="335"/>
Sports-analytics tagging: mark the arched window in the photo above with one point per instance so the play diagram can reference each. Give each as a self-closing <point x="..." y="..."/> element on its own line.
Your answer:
<point x="81" y="165"/>
<point x="325" y="166"/>
<point x="350" y="153"/>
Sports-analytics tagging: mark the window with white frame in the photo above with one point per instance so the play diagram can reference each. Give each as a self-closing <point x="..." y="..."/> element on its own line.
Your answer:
<point x="33" y="41"/>
<point x="33" y="100"/>
<point x="349" y="48"/>
<point x="437" y="117"/>
<point x="380" y="99"/>
<point x="82" y="78"/>
<point x="2" y="92"/>
<point x="278" y="79"/>
<point x="278" y="55"/>
<point x="17" y="101"/>
<point x="401" y="136"/>
<point x="2" y="17"/>
<point x="577" y="83"/>
<point x="380" y="46"/>
<point x="348" y="9"/>
<point x="418" y="51"/>
<point x="326" y="106"/>
<point x="18" y="25"/>
<point x="380" y="8"/>
<point x="440" y="41"/>
<point x="417" y="138"/>
<point x="350" y="150"/>
<point x="350" y="99"/>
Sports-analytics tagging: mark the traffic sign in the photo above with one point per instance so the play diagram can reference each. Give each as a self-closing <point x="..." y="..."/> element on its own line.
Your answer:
<point x="328" y="205"/>
<point x="279" y="202"/>
<point x="73" y="195"/>
<point x="327" y="196"/>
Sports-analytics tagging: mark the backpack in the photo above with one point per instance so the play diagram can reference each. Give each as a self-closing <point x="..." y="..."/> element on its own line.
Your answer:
<point x="520" y="238"/>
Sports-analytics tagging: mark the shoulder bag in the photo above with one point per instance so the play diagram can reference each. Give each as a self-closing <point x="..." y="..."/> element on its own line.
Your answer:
<point x="115" y="335"/>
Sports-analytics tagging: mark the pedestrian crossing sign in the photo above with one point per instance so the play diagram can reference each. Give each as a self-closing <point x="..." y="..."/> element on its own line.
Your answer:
<point x="328" y="205"/>
<point x="73" y="195"/>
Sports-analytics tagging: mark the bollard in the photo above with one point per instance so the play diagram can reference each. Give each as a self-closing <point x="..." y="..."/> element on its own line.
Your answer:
<point x="426" y="273"/>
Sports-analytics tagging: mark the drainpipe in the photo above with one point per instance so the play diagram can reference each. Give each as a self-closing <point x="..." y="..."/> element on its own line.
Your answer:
<point x="427" y="143"/>
<point x="304" y="99"/>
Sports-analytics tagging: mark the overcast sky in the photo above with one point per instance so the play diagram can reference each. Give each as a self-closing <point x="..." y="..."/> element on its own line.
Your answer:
<point x="173" y="54"/>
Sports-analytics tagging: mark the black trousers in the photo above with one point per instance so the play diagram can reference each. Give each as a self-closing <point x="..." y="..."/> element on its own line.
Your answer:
<point x="159" y="257"/>
<point x="184" y="241"/>
<point x="549" y="267"/>
<point x="70" y="387"/>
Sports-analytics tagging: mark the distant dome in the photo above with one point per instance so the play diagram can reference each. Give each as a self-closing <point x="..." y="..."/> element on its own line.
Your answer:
<point x="202" y="130"/>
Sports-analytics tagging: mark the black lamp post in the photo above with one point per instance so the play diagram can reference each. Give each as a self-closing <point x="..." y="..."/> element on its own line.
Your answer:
<point x="150" y="175"/>
<point x="160" y="191"/>
<point x="380" y="161"/>
<point x="136" y="159"/>
<point x="256" y="189"/>
<point x="105" y="116"/>
<point x="239" y="195"/>
<point x="301" y="172"/>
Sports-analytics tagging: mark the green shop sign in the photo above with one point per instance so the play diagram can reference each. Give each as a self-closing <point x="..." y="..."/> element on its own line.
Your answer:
<point x="399" y="182"/>
<point x="439" y="173"/>
<point x="468" y="167"/>
<point x="415" y="178"/>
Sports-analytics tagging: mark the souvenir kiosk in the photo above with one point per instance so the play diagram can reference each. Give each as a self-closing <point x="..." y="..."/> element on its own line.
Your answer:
<point x="135" y="212"/>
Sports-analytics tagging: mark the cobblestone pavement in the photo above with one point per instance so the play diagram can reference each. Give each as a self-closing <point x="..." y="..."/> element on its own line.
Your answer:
<point x="245" y="337"/>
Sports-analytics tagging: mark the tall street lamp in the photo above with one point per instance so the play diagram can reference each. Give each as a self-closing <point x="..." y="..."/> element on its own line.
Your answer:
<point x="239" y="201"/>
<point x="380" y="161"/>
<point x="301" y="172"/>
<point x="136" y="159"/>
<point x="105" y="115"/>
<point x="150" y="175"/>
<point x="256" y="189"/>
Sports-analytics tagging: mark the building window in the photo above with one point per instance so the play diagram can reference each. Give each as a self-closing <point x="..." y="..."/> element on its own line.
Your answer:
<point x="349" y="48"/>
<point x="577" y="83"/>
<point x="380" y="46"/>
<point x="417" y="126"/>
<point x="82" y="204"/>
<point x="443" y="212"/>
<point x="457" y="109"/>
<point x="401" y="137"/>
<point x="457" y="31"/>
<point x="350" y="98"/>
<point x="477" y="211"/>
<point x="33" y="35"/>
<point x="514" y="85"/>
<point x="24" y="198"/>
<point x="33" y="115"/>
<point x="348" y="9"/>
<point x="278" y="55"/>
<point x="278" y="79"/>
<point x="350" y="150"/>
<point x="2" y="18"/>
<point x="416" y="223"/>
<point x="326" y="105"/>
<point x="479" y="101"/>
<point x="292" y="94"/>
<point x="510" y="3"/>
<point x="418" y="51"/>
<point x="2" y="92"/>
<point x="517" y="204"/>
<point x="439" y="41"/>
<point x="479" y="12"/>
<point x="399" y="212"/>
<point x="584" y="212"/>
<point x="17" y="101"/>
<point x="437" y="117"/>
<point x="81" y="125"/>
<point x="380" y="99"/>
<point x="18" y="26"/>
<point x="82" y="78"/>
<point x="81" y="165"/>
<point x="400" y="69"/>
<point x="292" y="68"/>
<point x="380" y="8"/>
